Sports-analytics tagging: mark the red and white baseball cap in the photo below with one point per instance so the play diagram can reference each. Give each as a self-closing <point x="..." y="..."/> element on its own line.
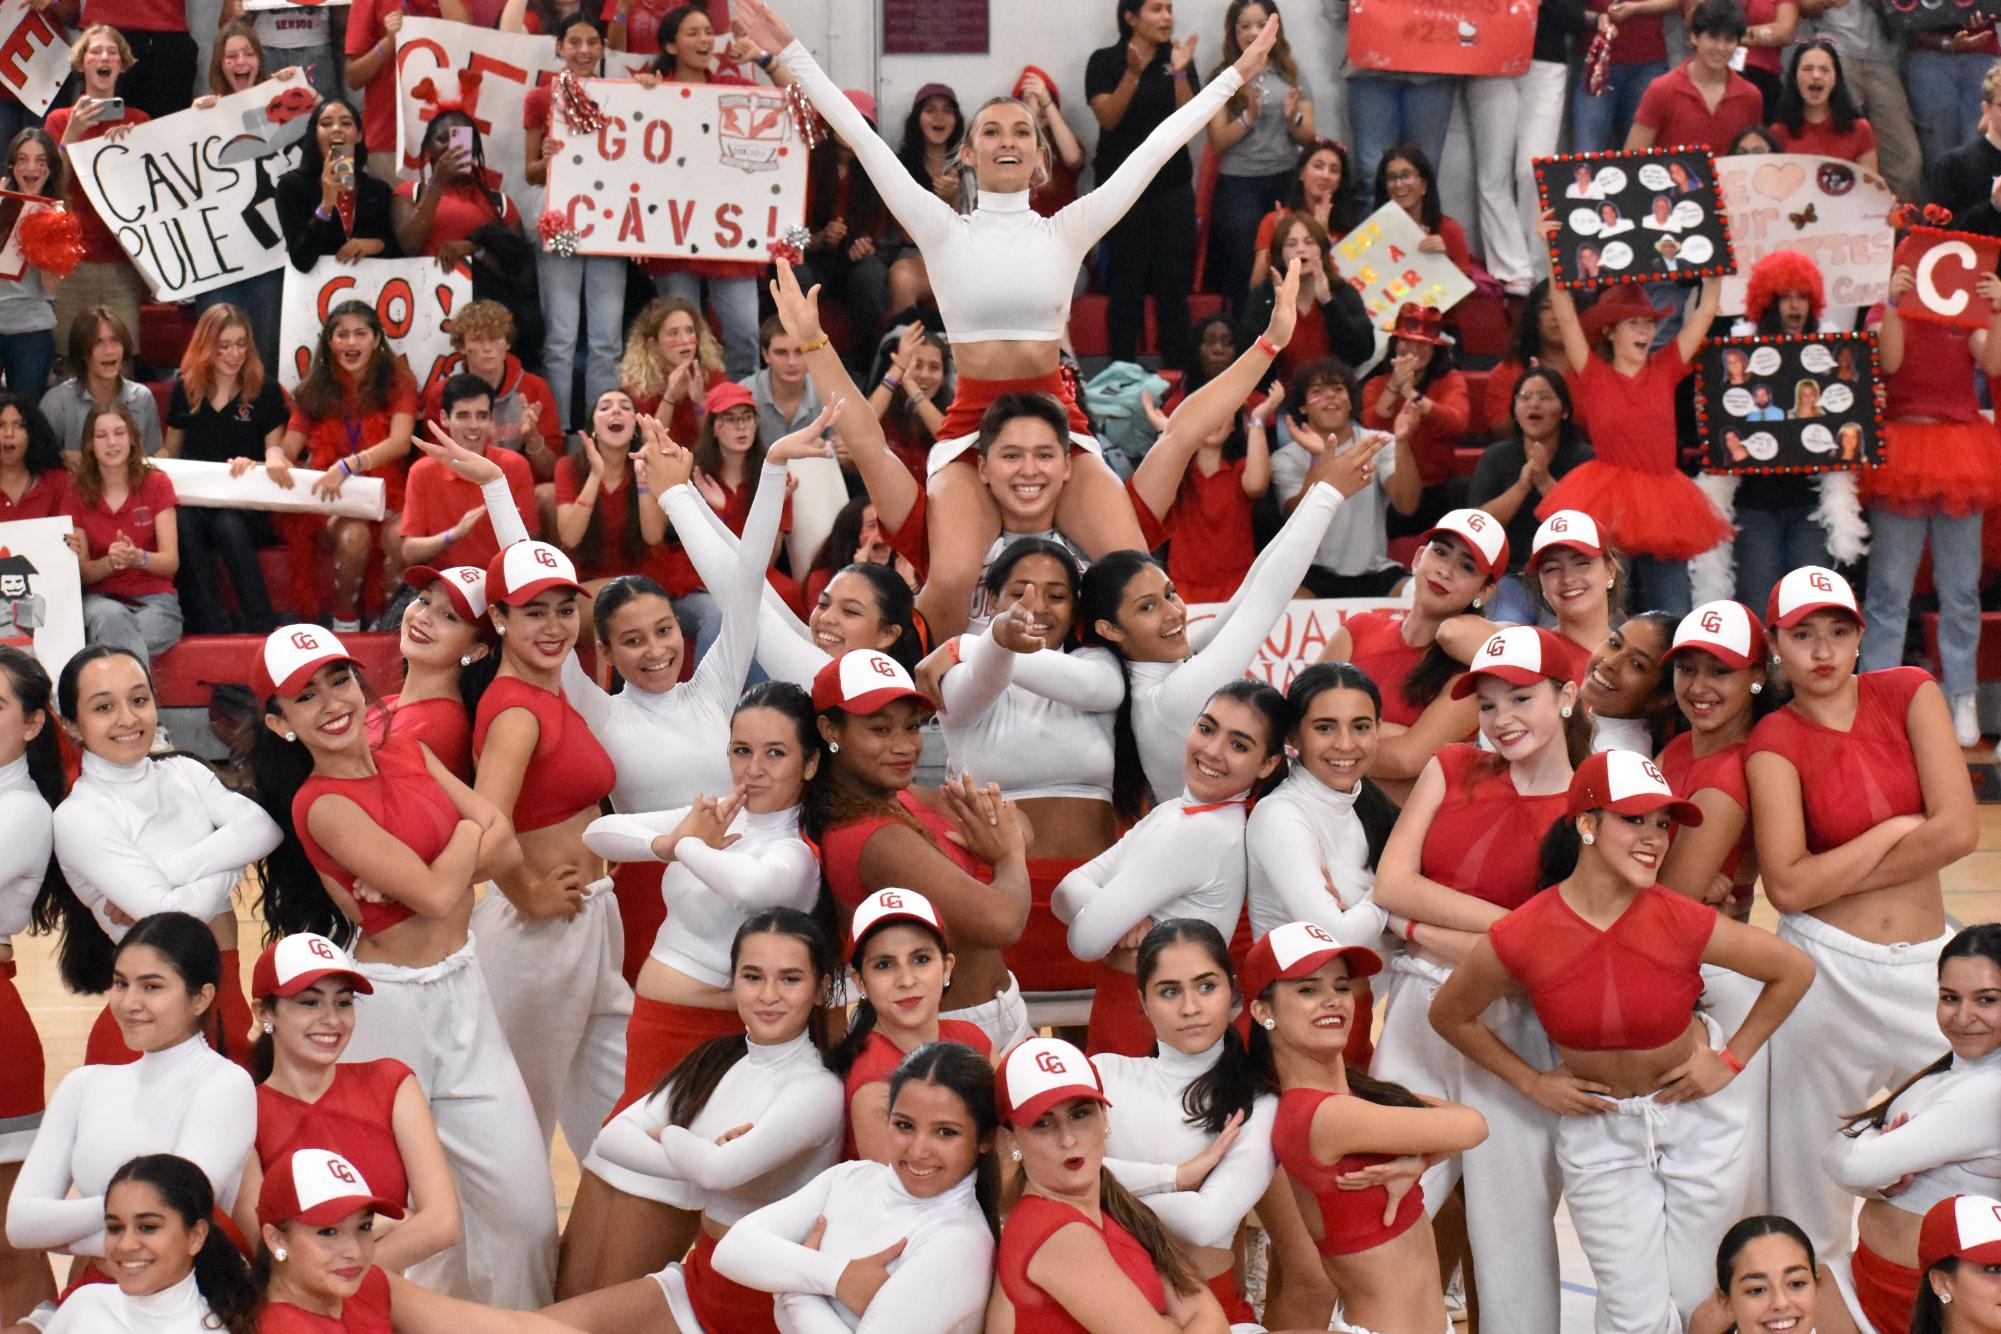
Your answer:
<point x="887" y="907"/>
<point x="290" y="655"/>
<point x="1300" y="949"/>
<point x="1968" y="1226"/>
<point x="526" y="569"/>
<point x="1038" y="1074"/>
<point x="1626" y="782"/>
<point x="1484" y="534"/>
<point x="1522" y="655"/>
<point x="1567" y="528"/>
<point x="289" y="965"/>
<point x="1809" y="589"/>
<point x="1727" y="630"/>
<point x="864" y="681"/>
<point x="465" y="585"/>
<point x="317" y="1187"/>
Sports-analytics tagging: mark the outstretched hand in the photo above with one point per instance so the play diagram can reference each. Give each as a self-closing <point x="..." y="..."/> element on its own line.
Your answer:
<point x="761" y="24"/>
<point x="475" y="468"/>
<point x="809" y="441"/>
<point x="1252" y="62"/>
<point x="798" y="311"/>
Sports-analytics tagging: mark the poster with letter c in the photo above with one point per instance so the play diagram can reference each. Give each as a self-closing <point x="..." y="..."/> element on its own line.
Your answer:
<point x="1947" y="267"/>
<point x="34" y="56"/>
<point x="41" y="592"/>
<point x="1479" y="37"/>
<point x="413" y="298"/>
<point x="1381" y="260"/>
<point x="699" y="171"/>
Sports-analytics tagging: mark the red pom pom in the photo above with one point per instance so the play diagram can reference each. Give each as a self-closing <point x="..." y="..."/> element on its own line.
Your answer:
<point x="52" y="240"/>
<point x="1937" y="215"/>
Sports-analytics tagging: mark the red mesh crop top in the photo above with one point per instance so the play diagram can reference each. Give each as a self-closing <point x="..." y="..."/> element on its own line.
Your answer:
<point x="1861" y="777"/>
<point x="1032" y="1222"/>
<point x="1630" y="987"/>
<point x="841" y="851"/>
<point x="403" y="799"/>
<point x="569" y="769"/>
<point x="1486" y="837"/>
<point x="1350" y="1220"/>
<point x="440" y="724"/>
<point x="1375" y="644"/>
<point x="1722" y="770"/>
<point x="367" y="1312"/>
<point x="353" y="1118"/>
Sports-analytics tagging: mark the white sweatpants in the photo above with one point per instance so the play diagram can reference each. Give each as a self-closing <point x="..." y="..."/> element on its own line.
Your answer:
<point x="1726" y="998"/>
<point x="1004" y="1019"/>
<point x="1512" y="1184"/>
<point x="440" y="1022"/>
<point x="1651" y="1186"/>
<point x="1868" y="1023"/>
<point x="563" y="1004"/>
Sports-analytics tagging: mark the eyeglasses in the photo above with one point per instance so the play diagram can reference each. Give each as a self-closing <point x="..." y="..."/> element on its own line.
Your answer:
<point x="1399" y="177"/>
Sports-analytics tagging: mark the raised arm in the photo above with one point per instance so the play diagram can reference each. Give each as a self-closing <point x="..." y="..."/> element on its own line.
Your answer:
<point x="985" y="668"/>
<point x="1089" y="680"/>
<point x="1695" y="327"/>
<point x="784" y="650"/>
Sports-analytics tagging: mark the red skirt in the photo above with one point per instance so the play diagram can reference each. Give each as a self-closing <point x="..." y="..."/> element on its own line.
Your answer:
<point x="971" y="399"/>
<point x="641" y="910"/>
<point x="1887" y="1290"/>
<point x="1230" y="1297"/>
<point x="723" y="1305"/>
<point x="228" y="1027"/>
<point x="1118" y="1024"/>
<point x="1041" y="960"/>
<point x="659" y="1035"/>
<point x="1943" y="467"/>
<point x="21" y="1067"/>
<point x="1658" y="514"/>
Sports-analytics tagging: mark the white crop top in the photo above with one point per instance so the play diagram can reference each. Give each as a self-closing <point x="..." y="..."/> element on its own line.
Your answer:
<point x="1952" y="1140"/>
<point x="1003" y="271"/>
<point x="1031" y="745"/>
<point x="1303" y="828"/>
<point x="1183" y="859"/>
<point x="26" y="834"/>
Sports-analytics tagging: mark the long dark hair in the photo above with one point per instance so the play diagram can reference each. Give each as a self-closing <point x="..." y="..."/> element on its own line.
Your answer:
<point x="224" y="1280"/>
<point x="56" y="185"/>
<point x="1525" y="340"/>
<point x="1020" y="550"/>
<point x="1928" y="1312"/>
<point x="312" y="162"/>
<point x="189" y="948"/>
<point x="844" y="538"/>
<point x="294" y="898"/>
<point x="693" y="1080"/>
<point x="1791" y="109"/>
<point x="1346" y="209"/>
<point x="453" y="119"/>
<point x="625" y="549"/>
<point x="1566" y="430"/>
<point x="708" y="452"/>
<point x="320" y="395"/>
<point x="44" y="452"/>
<point x="1979" y="941"/>
<point x="897" y="606"/>
<point x="1432" y="211"/>
<point x="1270" y="704"/>
<point x="29" y="681"/>
<point x="1195" y="377"/>
<point x="910" y="148"/>
<point x="955" y="1066"/>
<point x="864" y="214"/>
<point x="613" y="598"/>
<point x="1230" y="1085"/>
<point x="1264" y="1061"/>
<point x="1373" y="806"/>
<point x="841" y="1057"/>
<point x="1661" y="715"/>
<point x="1099" y="595"/>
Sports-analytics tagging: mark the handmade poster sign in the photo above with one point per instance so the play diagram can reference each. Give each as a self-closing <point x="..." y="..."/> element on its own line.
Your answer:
<point x="206" y="485"/>
<point x="1931" y="15"/>
<point x="1634" y="217"/>
<point x="1381" y="260"/>
<point x="412" y="297"/>
<point x="34" y="56"/>
<point x="1788" y="404"/>
<point x="41" y="593"/>
<point x="1947" y="267"/>
<point x="1833" y="212"/>
<point x="192" y="196"/>
<point x="1480" y="37"/>
<point x="1300" y="635"/>
<point x="687" y="170"/>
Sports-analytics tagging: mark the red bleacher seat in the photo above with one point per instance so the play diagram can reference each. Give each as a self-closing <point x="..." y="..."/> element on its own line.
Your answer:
<point x="186" y="674"/>
<point x="164" y="333"/>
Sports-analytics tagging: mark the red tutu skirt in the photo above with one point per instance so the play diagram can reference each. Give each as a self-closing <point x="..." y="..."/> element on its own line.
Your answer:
<point x="1939" y="467"/>
<point x="641" y="910"/>
<point x="1659" y="514"/>
<point x="1118" y="1025"/>
<point x="228" y="1027"/>
<point x="659" y="1035"/>
<point x="1887" y="1290"/>
<point x="1041" y="960"/>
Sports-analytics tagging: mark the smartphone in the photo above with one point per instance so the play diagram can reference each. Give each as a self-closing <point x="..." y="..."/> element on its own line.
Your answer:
<point x="460" y="137"/>
<point x="111" y="108"/>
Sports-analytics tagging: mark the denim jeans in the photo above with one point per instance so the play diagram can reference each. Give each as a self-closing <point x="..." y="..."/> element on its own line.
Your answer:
<point x="26" y="359"/>
<point x="1598" y="124"/>
<point x="734" y="301"/>
<point x="261" y="297"/>
<point x="701" y="619"/>
<point x="1386" y="111"/>
<point x="1896" y="541"/>
<point x="1772" y="542"/>
<point x="1945" y="98"/>
<point x="1514" y="121"/>
<point x="1509" y="603"/>
<point x="146" y="627"/>
<point x="218" y="544"/>
<point x="586" y="291"/>
<point x="1658" y="585"/>
<point x="1236" y="208"/>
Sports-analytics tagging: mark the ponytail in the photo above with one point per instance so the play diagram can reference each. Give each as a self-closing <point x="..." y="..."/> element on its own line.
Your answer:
<point x="1098" y="597"/>
<point x="1556" y="859"/>
<point x="1141" y="1224"/>
<point x="1928" y="1312"/>
<point x="1982" y="940"/>
<point x="294" y="899"/>
<point x="224" y="1280"/>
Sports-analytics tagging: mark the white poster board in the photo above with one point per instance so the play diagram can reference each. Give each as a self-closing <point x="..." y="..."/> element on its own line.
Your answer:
<point x="413" y="298"/>
<point x="254" y="6"/>
<point x="193" y="196"/>
<point x="34" y="56"/>
<point x="206" y="485"/>
<point x="1380" y="259"/>
<point x="41" y="593"/>
<point x="1300" y="636"/>
<point x="1831" y="211"/>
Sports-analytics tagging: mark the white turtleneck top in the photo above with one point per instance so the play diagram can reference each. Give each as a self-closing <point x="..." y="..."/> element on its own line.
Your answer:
<point x="185" y="1100"/>
<point x="1003" y="271"/>
<point x="710" y="891"/>
<point x="1033" y="745"/>
<point x="100" y="1308"/>
<point x="1302" y="829"/>
<point x="785" y="1093"/>
<point x="1952" y="1141"/>
<point x="162" y="835"/>
<point x="938" y="1284"/>
<point x="26" y="834"/>
<point x="1184" y="859"/>
<point x="1150" y="1137"/>
<point x="1621" y="734"/>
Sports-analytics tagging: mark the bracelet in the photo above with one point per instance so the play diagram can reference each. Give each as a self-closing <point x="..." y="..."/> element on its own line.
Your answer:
<point x="345" y="471"/>
<point x="891" y="381"/>
<point x="450" y="537"/>
<point x="143" y="554"/>
<point x="322" y="214"/>
<point x="1730" y="1061"/>
<point x="1410" y="933"/>
<point x="644" y="490"/>
<point x="763" y="61"/>
<point x="1269" y="348"/>
<point x="817" y="344"/>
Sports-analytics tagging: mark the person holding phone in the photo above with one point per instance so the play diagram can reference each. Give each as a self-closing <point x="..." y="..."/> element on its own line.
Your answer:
<point x="105" y="277"/>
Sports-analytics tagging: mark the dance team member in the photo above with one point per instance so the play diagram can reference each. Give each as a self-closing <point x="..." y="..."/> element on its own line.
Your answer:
<point x="443" y="631"/>
<point x="1959" y="1251"/>
<point x="1767" y="1280"/>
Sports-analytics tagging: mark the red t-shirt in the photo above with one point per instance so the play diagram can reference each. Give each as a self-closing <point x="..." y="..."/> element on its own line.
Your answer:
<point x="462" y="210"/>
<point x="1033" y="1221"/>
<point x="137" y="518"/>
<point x="879" y="1057"/>
<point x="1935" y="379"/>
<point x="841" y="852"/>
<point x="1435" y="442"/>
<point x="364" y="30"/>
<point x="1269" y="224"/>
<point x="367" y="1312"/>
<point x="1629" y="419"/>
<point x="330" y="439"/>
<point x="1375" y="644"/>
<point x="135" y="16"/>
<point x="1308" y="344"/>
<point x="100" y="245"/>
<point x="1675" y="110"/>
<point x="518" y="388"/>
<point x="46" y="494"/>
<point x="1486" y="838"/>
<point x="353" y="1118"/>
<point x="1641" y="40"/>
<point x="1211" y="545"/>
<point x="1767" y="58"/>
<point x="1825" y="141"/>
<point x="436" y="498"/>
<point x="608" y="559"/>
<point x="1861" y="777"/>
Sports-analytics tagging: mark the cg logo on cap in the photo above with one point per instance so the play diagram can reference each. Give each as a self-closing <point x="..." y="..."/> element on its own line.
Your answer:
<point x="1050" y="1063"/>
<point x="1559" y="524"/>
<point x="1647" y="767"/>
<point x="889" y="898"/>
<point x="340" y="1171"/>
<point x="882" y="666"/>
<point x="305" y="639"/>
<point x="1317" y="934"/>
<point x="545" y="557"/>
<point x="1495" y="648"/>
<point x="320" y="948"/>
<point x="1712" y="622"/>
<point x="1820" y="583"/>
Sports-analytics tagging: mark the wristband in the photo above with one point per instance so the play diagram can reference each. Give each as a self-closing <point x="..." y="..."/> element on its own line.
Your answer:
<point x="1730" y="1061"/>
<point x="644" y="490"/>
<point x="1269" y="348"/>
<point x="345" y="471"/>
<point x="1410" y="933"/>
<point x="322" y="214"/>
<point x="891" y="381"/>
<point x="143" y="554"/>
<point x="764" y="61"/>
<point x="450" y="537"/>
<point x="817" y="344"/>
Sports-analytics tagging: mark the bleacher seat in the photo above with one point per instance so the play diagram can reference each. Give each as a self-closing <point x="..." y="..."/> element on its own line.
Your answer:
<point x="164" y="333"/>
<point x="186" y="674"/>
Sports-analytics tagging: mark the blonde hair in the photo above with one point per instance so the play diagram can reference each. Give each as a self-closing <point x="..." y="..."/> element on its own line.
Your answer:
<point x="82" y="43"/>
<point x="482" y="319"/>
<point x="1043" y="151"/>
<point x="641" y="371"/>
<point x="1990" y="83"/>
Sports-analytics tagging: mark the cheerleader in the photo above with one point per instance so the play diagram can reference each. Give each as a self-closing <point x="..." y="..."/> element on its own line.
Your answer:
<point x="901" y="1245"/>
<point x="965" y="844"/>
<point x="443" y="631"/>
<point x="179" y="1096"/>
<point x="1002" y="275"/>
<point x="741" y="1121"/>
<point x="1611" y="961"/>
<point x="1766" y="1280"/>
<point x="1626" y="689"/>
<point x="176" y="1272"/>
<point x="1959" y="1250"/>
<point x="903" y="968"/>
<point x="1078" y="1251"/>
<point x="1185" y="858"/>
<point x="1351" y="1142"/>
<point x="1935" y="1137"/>
<point x="373" y="1112"/>
<point x="388" y="842"/>
<point x="141" y="834"/>
<point x="1463" y="854"/>
<point x="1851" y="860"/>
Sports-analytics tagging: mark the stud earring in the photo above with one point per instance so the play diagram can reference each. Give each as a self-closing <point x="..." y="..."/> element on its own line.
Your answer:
<point x="834" y="747"/>
<point x="1611" y="584"/>
<point x="1589" y="839"/>
<point x="1757" y="687"/>
<point x="268" y="1029"/>
<point x="280" y="1254"/>
<point x="1015" y="1154"/>
<point x="466" y="660"/>
<point x="1945" y="1298"/>
<point x="291" y="736"/>
<point x="1476" y="604"/>
<point x="1270" y="1024"/>
<point x="1566" y="710"/>
<point x="500" y="629"/>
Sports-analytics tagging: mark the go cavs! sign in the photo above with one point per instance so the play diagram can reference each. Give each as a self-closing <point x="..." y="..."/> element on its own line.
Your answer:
<point x="694" y="171"/>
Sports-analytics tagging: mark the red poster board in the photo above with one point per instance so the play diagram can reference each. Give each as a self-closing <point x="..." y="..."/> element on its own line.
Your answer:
<point x="1484" y="37"/>
<point x="1948" y="267"/>
<point x="935" y="27"/>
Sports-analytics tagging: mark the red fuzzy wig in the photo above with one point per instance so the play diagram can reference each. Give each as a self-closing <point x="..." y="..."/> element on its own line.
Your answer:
<point x="1784" y="271"/>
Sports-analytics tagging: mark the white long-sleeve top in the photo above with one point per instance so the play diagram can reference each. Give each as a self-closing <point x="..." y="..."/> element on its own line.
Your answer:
<point x="1168" y="696"/>
<point x="185" y="1100"/>
<point x="785" y="1093"/>
<point x="1150" y="1137"/>
<point x="1952" y="1141"/>
<point x="1003" y="271"/>
<point x="710" y="891"/>
<point x="162" y="835"/>
<point x="100" y="1308"/>
<point x="27" y="831"/>
<point x="1031" y="745"/>
<point x="1300" y="829"/>
<point x="1184" y="859"/>
<point x="938" y="1285"/>
<point x="785" y="647"/>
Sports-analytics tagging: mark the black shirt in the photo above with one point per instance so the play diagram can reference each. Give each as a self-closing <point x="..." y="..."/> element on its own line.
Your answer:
<point x="1152" y="102"/>
<point x="1499" y="467"/>
<point x="1963" y="181"/>
<point x="310" y="238"/>
<point x="1556" y="23"/>
<point x="238" y="431"/>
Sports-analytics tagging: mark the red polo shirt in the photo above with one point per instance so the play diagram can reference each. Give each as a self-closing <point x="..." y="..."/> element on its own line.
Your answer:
<point x="1675" y="110"/>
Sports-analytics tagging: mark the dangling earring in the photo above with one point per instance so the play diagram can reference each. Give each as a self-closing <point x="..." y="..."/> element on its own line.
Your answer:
<point x="834" y="747"/>
<point x="1757" y="687"/>
<point x="291" y="736"/>
<point x="1589" y="839"/>
<point x="1566" y="710"/>
<point x="279" y="1254"/>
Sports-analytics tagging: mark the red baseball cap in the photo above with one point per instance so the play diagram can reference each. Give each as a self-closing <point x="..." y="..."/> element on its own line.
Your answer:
<point x="887" y="907"/>
<point x="317" y="1187"/>
<point x="1967" y="1226"/>
<point x="726" y="395"/>
<point x="1300" y="949"/>
<point x="1038" y="1074"/>
<point x="290" y="655"/>
<point x="465" y="585"/>
<point x="1809" y="589"/>
<point x="1522" y="655"/>
<point x="1567" y="528"/>
<point x="864" y="681"/>
<point x="1485" y="535"/>
<point x="1727" y="630"/>
<point x="291" y="964"/>
<point x="1626" y="782"/>
<point x="526" y="569"/>
<point x="862" y="102"/>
